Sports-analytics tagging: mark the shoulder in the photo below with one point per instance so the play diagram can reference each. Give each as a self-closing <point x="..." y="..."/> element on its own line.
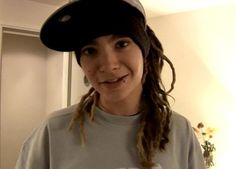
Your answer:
<point x="180" y="125"/>
<point x="62" y="113"/>
<point x="58" y="120"/>
<point x="179" y="120"/>
<point x="36" y="148"/>
<point x="61" y="117"/>
<point x="185" y="142"/>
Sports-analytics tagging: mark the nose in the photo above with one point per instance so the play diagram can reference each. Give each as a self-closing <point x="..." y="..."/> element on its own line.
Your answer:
<point x="108" y="60"/>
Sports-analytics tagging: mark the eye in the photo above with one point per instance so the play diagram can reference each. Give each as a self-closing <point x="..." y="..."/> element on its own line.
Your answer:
<point x="122" y="43"/>
<point x="88" y="51"/>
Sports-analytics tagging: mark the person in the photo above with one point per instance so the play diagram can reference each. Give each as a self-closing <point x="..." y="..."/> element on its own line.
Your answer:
<point x="125" y="120"/>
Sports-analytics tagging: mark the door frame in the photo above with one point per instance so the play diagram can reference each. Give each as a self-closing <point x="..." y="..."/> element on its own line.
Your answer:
<point x="67" y="67"/>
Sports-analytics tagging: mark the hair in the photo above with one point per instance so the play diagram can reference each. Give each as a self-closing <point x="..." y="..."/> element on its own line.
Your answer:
<point x="154" y="107"/>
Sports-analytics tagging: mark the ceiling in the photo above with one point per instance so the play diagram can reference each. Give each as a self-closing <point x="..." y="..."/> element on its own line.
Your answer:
<point x="161" y="7"/>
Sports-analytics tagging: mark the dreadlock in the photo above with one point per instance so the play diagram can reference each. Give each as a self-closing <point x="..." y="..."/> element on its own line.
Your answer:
<point x="154" y="107"/>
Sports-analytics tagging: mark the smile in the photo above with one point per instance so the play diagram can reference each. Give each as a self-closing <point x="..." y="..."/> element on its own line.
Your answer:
<point x="115" y="83"/>
<point x="115" y="80"/>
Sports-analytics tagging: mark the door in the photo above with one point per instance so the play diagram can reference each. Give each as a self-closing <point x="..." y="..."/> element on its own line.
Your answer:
<point x="31" y="87"/>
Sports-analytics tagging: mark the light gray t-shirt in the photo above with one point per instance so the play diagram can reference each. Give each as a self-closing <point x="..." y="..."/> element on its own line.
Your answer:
<point x="110" y="144"/>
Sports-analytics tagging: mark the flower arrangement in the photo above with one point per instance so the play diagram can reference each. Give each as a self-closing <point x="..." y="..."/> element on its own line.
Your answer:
<point x="205" y="139"/>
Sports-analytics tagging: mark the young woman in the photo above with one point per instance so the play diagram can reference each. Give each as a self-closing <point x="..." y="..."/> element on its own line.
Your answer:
<point x="125" y="120"/>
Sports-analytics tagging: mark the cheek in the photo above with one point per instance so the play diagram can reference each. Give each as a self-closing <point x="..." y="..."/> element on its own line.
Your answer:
<point x="86" y="66"/>
<point x="137" y="65"/>
<point x="91" y="75"/>
<point x="140" y="69"/>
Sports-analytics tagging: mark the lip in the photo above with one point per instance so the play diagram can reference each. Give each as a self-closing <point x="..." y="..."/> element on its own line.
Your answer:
<point x="114" y="83"/>
<point x="113" y="79"/>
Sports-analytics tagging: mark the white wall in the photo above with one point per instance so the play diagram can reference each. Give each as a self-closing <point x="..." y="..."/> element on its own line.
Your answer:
<point x="29" y="15"/>
<point x="44" y="77"/>
<point x="31" y="88"/>
<point x="202" y="46"/>
<point x="23" y="77"/>
<point x="54" y="81"/>
<point x="78" y="88"/>
<point x="23" y="13"/>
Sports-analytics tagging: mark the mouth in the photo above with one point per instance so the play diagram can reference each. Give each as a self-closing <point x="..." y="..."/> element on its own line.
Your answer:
<point x="115" y="80"/>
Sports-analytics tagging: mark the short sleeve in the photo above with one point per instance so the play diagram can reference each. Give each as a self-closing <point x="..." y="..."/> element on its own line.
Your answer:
<point x="35" y="151"/>
<point x="195" y="160"/>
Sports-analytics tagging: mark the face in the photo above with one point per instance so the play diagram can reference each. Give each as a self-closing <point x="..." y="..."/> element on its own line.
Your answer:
<point x="114" y="67"/>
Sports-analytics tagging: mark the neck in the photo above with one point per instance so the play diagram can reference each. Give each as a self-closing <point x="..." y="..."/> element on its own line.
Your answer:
<point x="124" y="107"/>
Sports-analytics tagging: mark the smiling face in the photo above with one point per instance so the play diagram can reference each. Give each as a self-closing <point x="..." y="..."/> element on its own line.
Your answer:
<point x="114" y="67"/>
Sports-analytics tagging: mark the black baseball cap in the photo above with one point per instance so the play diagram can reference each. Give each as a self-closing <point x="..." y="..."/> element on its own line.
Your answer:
<point x="78" y="22"/>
